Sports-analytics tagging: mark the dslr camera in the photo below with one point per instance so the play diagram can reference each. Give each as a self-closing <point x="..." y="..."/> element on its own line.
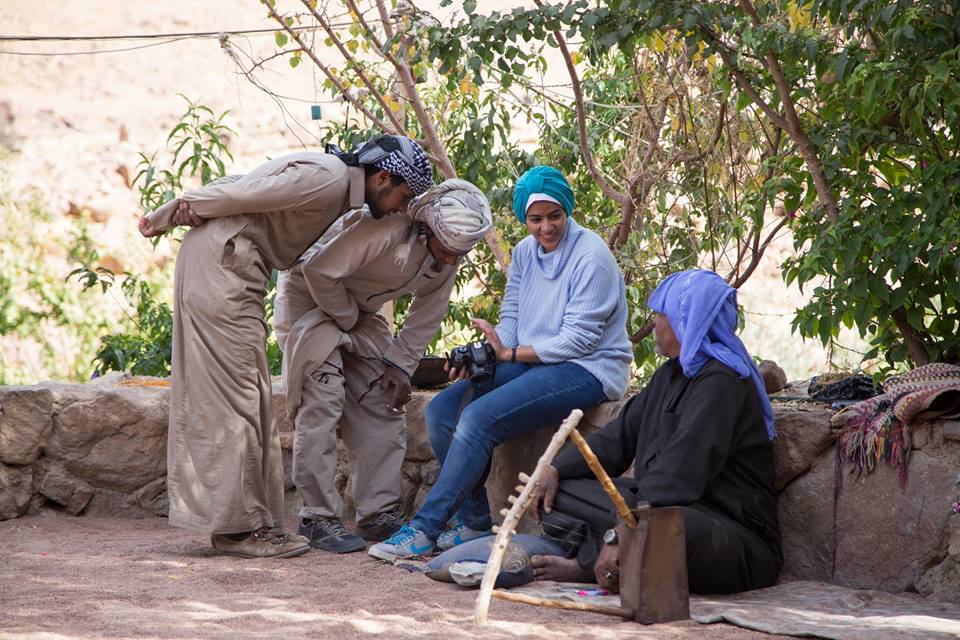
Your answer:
<point x="478" y="357"/>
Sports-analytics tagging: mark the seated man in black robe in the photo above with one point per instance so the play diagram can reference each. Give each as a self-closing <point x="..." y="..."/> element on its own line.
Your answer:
<point x="697" y="436"/>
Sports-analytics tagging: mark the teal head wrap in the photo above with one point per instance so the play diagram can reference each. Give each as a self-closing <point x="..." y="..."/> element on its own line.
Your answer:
<point x="542" y="179"/>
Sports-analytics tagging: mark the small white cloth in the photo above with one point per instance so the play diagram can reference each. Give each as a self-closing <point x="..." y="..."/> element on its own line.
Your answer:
<point x="540" y="197"/>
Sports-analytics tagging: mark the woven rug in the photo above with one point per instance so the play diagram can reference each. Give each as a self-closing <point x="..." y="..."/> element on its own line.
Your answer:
<point x="804" y="609"/>
<point x="878" y="430"/>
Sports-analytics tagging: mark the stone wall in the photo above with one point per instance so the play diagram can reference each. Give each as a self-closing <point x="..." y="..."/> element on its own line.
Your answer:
<point x="100" y="449"/>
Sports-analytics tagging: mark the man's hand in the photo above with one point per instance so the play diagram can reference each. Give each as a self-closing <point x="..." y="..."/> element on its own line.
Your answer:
<point x="146" y="228"/>
<point x="185" y="215"/>
<point x="395" y="384"/>
<point x="546" y="493"/>
<point x="607" y="568"/>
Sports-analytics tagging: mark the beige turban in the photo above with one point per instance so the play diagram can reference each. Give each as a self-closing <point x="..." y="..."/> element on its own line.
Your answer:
<point x="456" y="211"/>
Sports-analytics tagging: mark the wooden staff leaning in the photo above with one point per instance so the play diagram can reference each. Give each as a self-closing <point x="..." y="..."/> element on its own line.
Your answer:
<point x="515" y="512"/>
<point x="519" y="506"/>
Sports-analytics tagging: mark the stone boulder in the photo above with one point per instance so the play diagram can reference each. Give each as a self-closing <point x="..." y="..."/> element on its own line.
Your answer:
<point x="418" y="440"/>
<point x="112" y="437"/>
<point x="774" y="378"/>
<point x="26" y="418"/>
<point x="16" y="491"/>
<point x="887" y="536"/>
<point x="58" y="486"/>
<point x="942" y="582"/>
<point x="803" y="433"/>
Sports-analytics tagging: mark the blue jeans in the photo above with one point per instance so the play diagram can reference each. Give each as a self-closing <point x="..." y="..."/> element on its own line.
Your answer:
<point x="464" y="429"/>
<point x="516" y="568"/>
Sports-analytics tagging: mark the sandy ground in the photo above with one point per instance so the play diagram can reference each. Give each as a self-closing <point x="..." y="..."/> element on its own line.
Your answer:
<point x="63" y="577"/>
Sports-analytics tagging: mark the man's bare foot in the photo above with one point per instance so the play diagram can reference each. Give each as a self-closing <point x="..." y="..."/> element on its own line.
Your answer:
<point x="559" y="569"/>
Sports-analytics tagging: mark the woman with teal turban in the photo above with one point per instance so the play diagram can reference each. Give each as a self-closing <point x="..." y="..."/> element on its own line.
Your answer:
<point x="561" y="344"/>
<point x="544" y="184"/>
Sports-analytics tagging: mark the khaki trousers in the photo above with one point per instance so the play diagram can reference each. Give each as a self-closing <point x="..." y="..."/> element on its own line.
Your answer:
<point x="344" y="392"/>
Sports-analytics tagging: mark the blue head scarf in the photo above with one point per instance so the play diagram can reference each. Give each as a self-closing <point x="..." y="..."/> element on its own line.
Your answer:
<point x="545" y="180"/>
<point x="702" y="310"/>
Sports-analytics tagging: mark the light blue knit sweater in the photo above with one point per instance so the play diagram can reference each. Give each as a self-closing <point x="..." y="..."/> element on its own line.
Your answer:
<point x="569" y="305"/>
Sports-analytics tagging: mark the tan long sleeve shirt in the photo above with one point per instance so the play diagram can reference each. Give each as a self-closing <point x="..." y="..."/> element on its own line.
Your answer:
<point x="300" y="186"/>
<point x="349" y="274"/>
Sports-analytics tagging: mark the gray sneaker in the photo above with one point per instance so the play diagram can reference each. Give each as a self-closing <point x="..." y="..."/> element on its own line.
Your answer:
<point x="262" y="543"/>
<point x="329" y="534"/>
<point x="405" y="543"/>
<point x="458" y="533"/>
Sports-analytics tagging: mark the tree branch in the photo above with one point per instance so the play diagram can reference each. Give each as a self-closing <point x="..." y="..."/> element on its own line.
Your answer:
<point x="758" y="250"/>
<point x="326" y="71"/>
<point x="355" y="66"/>
<point x="824" y="193"/>
<point x="434" y="147"/>
<point x="385" y="20"/>
<point x="608" y="189"/>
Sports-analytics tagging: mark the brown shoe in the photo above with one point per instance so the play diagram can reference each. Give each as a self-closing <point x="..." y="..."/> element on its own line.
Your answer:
<point x="262" y="543"/>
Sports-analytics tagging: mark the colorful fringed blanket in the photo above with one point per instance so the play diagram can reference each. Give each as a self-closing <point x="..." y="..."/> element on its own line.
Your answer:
<point x="878" y="429"/>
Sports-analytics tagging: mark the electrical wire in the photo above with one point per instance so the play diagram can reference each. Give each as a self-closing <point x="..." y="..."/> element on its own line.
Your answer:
<point x="148" y="36"/>
<point x="167" y="38"/>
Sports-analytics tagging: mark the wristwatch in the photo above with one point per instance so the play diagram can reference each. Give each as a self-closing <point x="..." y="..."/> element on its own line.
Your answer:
<point x="610" y="536"/>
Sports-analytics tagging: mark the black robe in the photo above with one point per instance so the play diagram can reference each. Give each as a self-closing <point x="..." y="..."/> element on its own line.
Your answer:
<point x="700" y="443"/>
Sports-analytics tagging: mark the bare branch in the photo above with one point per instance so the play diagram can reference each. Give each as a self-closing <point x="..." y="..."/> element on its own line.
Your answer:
<point x="326" y="71"/>
<point x="824" y="193"/>
<point x="405" y="75"/>
<point x="697" y="157"/>
<point x="385" y="19"/>
<point x="758" y="251"/>
<point x="608" y="189"/>
<point x="355" y="66"/>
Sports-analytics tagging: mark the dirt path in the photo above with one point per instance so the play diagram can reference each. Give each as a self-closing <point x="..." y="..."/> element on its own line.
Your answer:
<point x="63" y="577"/>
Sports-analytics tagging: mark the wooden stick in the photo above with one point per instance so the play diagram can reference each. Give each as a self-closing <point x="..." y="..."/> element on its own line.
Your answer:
<point x="515" y="512"/>
<point x="620" y="612"/>
<point x="604" y="479"/>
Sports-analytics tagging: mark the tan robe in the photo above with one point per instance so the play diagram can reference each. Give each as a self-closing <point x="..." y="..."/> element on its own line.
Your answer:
<point x="224" y="468"/>
<point x="335" y="341"/>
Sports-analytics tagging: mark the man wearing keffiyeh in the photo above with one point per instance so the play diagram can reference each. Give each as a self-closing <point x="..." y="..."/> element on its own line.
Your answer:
<point x="224" y="463"/>
<point x="697" y="436"/>
<point x="342" y="365"/>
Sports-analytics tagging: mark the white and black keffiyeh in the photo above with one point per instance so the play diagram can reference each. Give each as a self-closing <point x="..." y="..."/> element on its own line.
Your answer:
<point x="414" y="168"/>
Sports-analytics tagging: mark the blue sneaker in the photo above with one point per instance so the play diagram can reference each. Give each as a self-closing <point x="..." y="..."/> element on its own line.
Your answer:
<point x="458" y="533"/>
<point x="405" y="543"/>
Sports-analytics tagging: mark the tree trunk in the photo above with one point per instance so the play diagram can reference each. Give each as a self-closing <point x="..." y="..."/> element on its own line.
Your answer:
<point x="912" y="339"/>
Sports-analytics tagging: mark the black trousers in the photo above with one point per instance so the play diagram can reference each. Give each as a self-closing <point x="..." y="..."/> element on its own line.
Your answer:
<point x="723" y="556"/>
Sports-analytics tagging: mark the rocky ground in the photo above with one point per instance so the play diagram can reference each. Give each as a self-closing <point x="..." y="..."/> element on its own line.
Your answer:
<point x="64" y="577"/>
